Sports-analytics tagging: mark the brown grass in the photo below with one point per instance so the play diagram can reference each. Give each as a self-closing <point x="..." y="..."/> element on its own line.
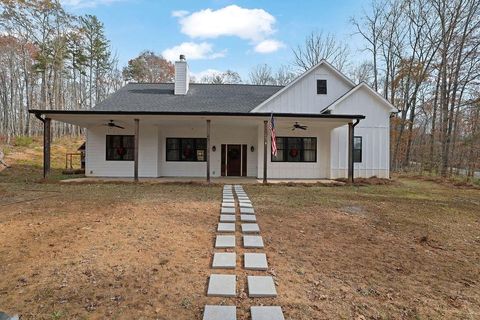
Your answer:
<point x="408" y="250"/>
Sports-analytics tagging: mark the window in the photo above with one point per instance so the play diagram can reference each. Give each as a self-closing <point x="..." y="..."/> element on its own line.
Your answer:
<point x="357" y="149"/>
<point x="120" y="148"/>
<point x="321" y="86"/>
<point x="186" y="149"/>
<point x="291" y="149"/>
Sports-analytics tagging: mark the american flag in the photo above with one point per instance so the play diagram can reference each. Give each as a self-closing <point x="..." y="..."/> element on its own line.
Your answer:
<point x="274" y="138"/>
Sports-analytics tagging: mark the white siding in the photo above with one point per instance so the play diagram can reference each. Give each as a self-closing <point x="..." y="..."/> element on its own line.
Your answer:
<point x="220" y="134"/>
<point x="302" y="97"/>
<point x="297" y="170"/>
<point x="96" y="164"/>
<point x="375" y="133"/>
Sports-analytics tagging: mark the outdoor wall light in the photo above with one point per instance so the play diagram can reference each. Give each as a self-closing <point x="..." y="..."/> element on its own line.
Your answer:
<point x="214" y="148"/>
<point x="252" y="148"/>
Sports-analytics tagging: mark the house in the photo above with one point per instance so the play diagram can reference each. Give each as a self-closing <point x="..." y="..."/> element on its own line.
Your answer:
<point x="326" y="127"/>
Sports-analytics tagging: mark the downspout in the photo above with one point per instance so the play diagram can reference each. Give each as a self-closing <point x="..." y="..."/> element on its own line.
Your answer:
<point x="352" y="146"/>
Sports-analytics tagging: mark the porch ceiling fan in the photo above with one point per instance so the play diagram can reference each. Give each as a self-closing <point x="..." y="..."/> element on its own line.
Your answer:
<point x="112" y="124"/>
<point x="297" y="125"/>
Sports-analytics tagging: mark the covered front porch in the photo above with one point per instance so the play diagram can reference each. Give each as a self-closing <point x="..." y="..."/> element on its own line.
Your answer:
<point x="204" y="146"/>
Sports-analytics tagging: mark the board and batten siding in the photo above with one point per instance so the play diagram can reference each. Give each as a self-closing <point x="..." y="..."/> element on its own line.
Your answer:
<point x="97" y="165"/>
<point x="302" y="96"/>
<point x="375" y="133"/>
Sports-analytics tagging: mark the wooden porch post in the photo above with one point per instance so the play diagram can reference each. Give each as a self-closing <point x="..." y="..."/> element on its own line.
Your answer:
<point x="265" y="146"/>
<point x="46" y="146"/>
<point x="135" y="153"/>
<point x="208" y="151"/>
<point x="350" y="152"/>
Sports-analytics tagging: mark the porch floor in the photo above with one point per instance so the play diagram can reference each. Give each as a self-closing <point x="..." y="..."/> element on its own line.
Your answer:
<point x="218" y="180"/>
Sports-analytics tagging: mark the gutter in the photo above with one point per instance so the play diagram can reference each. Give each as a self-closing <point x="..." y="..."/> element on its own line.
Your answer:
<point x="196" y="113"/>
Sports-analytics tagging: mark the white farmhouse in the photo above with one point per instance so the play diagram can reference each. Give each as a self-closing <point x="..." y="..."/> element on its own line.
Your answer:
<point x="326" y="127"/>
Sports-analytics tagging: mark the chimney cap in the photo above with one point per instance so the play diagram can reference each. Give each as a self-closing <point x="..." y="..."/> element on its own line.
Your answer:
<point x="182" y="57"/>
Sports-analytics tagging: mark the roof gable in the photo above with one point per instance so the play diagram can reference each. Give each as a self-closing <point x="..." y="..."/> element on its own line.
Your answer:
<point x="322" y="64"/>
<point x="368" y="89"/>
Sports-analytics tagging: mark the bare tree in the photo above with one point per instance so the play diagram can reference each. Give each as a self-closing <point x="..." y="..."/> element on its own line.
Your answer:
<point x="261" y="75"/>
<point x="318" y="46"/>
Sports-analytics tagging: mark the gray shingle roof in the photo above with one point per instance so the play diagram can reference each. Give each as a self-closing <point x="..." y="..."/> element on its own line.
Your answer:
<point x="159" y="97"/>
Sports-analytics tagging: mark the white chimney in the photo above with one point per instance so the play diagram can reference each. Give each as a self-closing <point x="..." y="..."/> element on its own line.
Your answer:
<point x="182" y="76"/>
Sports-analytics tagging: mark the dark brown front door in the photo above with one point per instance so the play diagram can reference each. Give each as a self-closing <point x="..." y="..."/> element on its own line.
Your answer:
<point x="234" y="160"/>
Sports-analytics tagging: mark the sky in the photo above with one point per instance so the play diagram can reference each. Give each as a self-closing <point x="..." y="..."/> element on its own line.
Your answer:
<point x="220" y="34"/>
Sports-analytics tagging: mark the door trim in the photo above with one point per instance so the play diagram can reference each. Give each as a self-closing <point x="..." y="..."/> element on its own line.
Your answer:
<point x="224" y="159"/>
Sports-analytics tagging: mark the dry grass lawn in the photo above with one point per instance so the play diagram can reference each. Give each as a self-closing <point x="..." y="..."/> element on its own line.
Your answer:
<point x="410" y="250"/>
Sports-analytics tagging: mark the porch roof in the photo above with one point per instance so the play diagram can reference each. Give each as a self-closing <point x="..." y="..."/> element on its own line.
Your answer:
<point x="85" y="118"/>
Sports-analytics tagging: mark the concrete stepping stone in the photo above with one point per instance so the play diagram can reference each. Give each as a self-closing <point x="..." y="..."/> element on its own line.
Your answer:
<point x="261" y="287"/>
<point x="255" y="261"/>
<point x="224" y="260"/>
<point x="248" y="218"/>
<point x="244" y="201"/>
<point x="226" y="227"/>
<point x="224" y="241"/>
<point x="245" y="205"/>
<point x="228" y="200"/>
<point x="253" y="242"/>
<point x="227" y="210"/>
<point x="228" y="205"/>
<point x="240" y="194"/>
<point x="227" y="218"/>
<point x="247" y="210"/>
<point x="243" y="198"/>
<point x="220" y="312"/>
<point x="222" y="285"/>
<point x="250" y="228"/>
<point x="267" y="313"/>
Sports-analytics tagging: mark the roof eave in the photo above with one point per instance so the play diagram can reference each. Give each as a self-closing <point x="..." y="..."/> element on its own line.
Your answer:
<point x="198" y="113"/>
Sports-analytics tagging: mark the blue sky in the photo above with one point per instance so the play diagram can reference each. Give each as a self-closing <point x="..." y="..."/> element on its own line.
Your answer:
<point x="220" y="34"/>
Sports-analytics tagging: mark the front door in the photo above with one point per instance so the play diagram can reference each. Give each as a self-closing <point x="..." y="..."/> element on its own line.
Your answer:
<point x="234" y="160"/>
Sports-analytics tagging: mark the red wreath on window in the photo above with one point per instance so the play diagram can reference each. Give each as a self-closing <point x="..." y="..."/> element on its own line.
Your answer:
<point x="187" y="152"/>
<point x="294" y="152"/>
<point x="121" y="151"/>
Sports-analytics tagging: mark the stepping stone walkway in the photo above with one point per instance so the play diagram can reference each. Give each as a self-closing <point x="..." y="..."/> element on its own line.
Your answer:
<point x="224" y="285"/>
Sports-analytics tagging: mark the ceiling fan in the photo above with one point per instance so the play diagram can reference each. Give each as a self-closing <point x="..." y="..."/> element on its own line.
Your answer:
<point x="112" y="124"/>
<point x="297" y="125"/>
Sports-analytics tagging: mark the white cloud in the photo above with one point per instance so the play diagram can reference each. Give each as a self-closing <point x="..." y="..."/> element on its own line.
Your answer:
<point x="179" y="13"/>
<point x="87" y="3"/>
<point x="268" y="46"/>
<point x="250" y="24"/>
<point x="198" y="76"/>
<point x="192" y="51"/>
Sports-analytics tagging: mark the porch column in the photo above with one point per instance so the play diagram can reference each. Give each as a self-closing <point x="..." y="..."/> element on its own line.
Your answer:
<point x="46" y="146"/>
<point x="265" y="146"/>
<point x="208" y="151"/>
<point x="350" y="152"/>
<point x="135" y="152"/>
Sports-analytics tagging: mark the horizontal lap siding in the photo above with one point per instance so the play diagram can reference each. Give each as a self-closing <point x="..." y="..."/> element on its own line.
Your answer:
<point x="298" y="170"/>
<point x="98" y="166"/>
<point x="219" y="134"/>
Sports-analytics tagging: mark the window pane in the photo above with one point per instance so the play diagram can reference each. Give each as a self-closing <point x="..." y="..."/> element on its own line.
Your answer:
<point x="188" y="150"/>
<point x="309" y="155"/>
<point x="173" y="143"/>
<point x="310" y="143"/>
<point x="294" y="149"/>
<point x="357" y="143"/>
<point x="173" y="155"/>
<point x="357" y="155"/>
<point x="120" y="147"/>
<point x="279" y="157"/>
<point x="201" y="143"/>
<point x="280" y="143"/>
